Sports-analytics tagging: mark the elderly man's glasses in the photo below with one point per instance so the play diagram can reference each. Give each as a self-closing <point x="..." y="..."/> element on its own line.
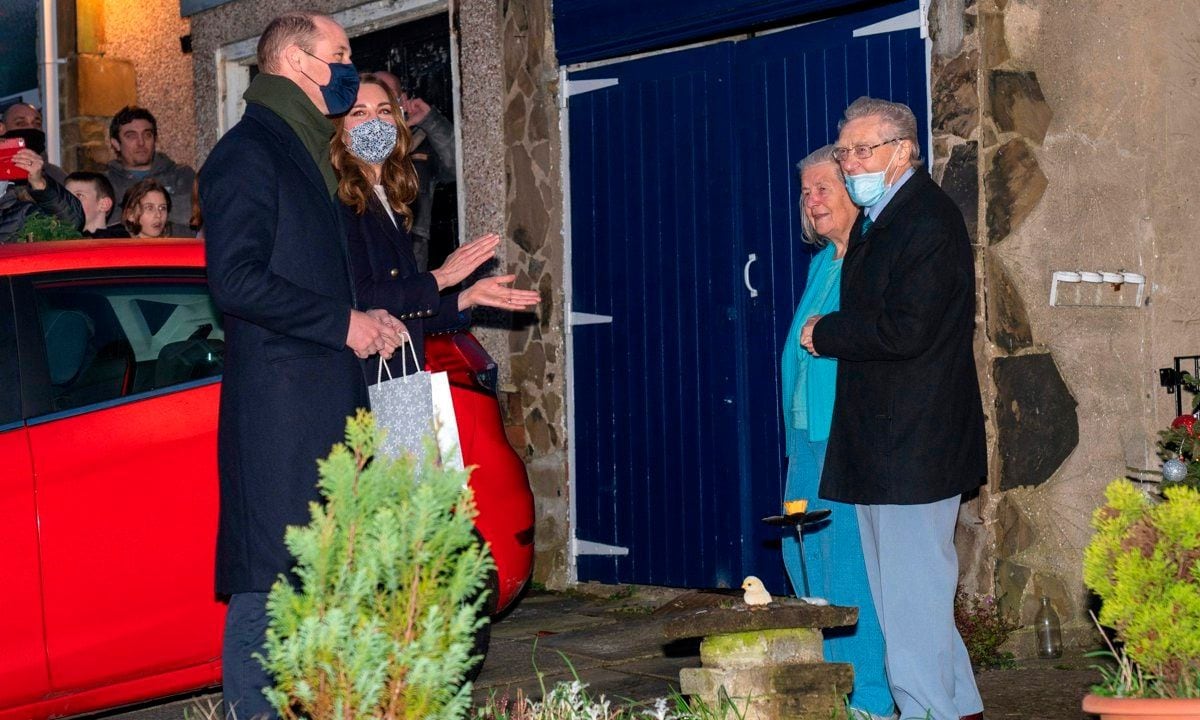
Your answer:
<point x="862" y="152"/>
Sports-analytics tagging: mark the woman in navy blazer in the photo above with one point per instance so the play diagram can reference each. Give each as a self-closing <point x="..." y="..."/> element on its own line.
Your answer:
<point x="376" y="183"/>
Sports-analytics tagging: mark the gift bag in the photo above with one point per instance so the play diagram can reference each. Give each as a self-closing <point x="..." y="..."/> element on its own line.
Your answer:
<point x="410" y="407"/>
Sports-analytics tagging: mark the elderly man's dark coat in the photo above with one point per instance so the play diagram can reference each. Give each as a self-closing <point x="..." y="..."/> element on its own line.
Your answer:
<point x="908" y="419"/>
<point x="278" y="271"/>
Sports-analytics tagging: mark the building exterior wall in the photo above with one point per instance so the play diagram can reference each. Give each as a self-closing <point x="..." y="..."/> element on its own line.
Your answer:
<point x="1079" y="117"/>
<point x="125" y="53"/>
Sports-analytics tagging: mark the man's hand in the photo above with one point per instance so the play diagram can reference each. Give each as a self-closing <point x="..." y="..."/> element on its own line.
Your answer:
<point x="373" y="332"/>
<point x="463" y="261"/>
<point x="415" y="109"/>
<point x="33" y="163"/>
<point x="806" y="334"/>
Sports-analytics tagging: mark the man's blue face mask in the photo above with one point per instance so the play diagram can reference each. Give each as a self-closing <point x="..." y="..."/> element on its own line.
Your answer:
<point x="342" y="89"/>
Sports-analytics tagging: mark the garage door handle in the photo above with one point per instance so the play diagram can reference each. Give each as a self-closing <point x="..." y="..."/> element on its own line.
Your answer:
<point x="746" y="274"/>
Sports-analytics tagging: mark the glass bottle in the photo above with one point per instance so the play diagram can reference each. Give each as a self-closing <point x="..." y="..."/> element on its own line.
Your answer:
<point x="1049" y="631"/>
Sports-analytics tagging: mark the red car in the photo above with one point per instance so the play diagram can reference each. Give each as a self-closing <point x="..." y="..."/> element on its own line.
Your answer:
<point x="110" y="363"/>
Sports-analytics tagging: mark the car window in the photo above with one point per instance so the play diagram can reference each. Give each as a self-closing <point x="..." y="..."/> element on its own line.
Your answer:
<point x="111" y="338"/>
<point x="10" y="385"/>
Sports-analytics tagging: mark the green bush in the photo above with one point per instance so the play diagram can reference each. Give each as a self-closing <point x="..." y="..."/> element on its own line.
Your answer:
<point x="1144" y="563"/>
<point x="391" y="590"/>
<point x="39" y="226"/>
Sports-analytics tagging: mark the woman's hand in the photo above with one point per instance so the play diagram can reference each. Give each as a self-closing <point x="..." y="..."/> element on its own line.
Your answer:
<point x="496" y="292"/>
<point x="33" y="164"/>
<point x="463" y="261"/>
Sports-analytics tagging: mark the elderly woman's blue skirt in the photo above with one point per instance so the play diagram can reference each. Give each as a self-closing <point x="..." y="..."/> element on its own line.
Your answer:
<point x="836" y="572"/>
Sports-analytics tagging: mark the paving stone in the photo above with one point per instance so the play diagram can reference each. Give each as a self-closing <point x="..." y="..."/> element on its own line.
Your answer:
<point x="636" y="637"/>
<point x="511" y="661"/>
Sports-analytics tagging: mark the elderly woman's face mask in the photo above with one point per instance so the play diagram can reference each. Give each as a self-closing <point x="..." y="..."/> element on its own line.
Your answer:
<point x="372" y="141"/>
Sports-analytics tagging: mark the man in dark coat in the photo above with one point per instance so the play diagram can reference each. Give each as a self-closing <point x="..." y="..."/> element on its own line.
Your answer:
<point x="907" y="439"/>
<point x="278" y="271"/>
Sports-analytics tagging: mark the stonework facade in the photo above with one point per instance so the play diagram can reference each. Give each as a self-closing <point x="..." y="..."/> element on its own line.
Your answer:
<point x="1074" y="116"/>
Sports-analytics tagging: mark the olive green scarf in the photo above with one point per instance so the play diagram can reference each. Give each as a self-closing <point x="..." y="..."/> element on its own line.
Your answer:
<point x="284" y="98"/>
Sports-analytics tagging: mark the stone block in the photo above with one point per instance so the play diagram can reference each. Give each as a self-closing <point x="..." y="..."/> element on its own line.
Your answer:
<point x="960" y="180"/>
<point x="1014" y="185"/>
<point x="781" y="614"/>
<point x="1007" y="320"/>
<point x="1014" y="532"/>
<point x="761" y="647"/>
<point x="1036" y="422"/>
<point x="819" y="678"/>
<point x="1018" y="104"/>
<point x="105" y="85"/>
<point x="995" y="46"/>
<point x="1011" y="580"/>
<point x="955" y="98"/>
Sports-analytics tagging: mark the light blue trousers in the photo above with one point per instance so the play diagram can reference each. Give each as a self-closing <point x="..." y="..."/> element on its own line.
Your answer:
<point x="836" y="572"/>
<point x="913" y="570"/>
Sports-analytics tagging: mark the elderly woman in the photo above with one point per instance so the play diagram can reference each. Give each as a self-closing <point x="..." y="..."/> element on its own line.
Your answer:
<point x="833" y="550"/>
<point x="376" y="185"/>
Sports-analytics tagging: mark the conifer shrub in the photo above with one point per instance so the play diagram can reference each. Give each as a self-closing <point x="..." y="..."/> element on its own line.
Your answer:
<point x="391" y="577"/>
<point x="1144" y="563"/>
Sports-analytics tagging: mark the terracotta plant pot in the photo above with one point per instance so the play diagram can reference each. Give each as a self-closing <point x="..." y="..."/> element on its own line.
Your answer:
<point x="1112" y="708"/>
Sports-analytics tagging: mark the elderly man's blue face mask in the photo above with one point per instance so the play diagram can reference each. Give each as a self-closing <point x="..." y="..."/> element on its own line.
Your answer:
<point x="869" y="188"/>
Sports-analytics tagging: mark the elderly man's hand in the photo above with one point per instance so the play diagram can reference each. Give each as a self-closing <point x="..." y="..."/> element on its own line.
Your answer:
<point x="33" y="163"/>
<point x="806" y="334"/>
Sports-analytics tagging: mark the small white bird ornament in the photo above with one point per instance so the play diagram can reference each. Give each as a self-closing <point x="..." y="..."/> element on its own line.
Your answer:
<point x="755" y="593"/>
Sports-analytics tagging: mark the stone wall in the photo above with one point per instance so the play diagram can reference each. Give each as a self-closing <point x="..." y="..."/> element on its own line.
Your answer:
<point x="534" y="206"/>
<point x="126" y="53"/>
<point x="1080" y="117"/>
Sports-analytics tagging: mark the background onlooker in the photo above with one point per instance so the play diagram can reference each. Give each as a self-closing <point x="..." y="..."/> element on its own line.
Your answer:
<point x="25" y="121"/>
<point x="133" y="134"/>
<point x="96" y="195"/>
<point x="432" y="155"/>
<point x="19" y="200"/>
<point x="146" y="210"/>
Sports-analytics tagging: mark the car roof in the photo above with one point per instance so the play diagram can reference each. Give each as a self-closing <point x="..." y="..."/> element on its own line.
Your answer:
<point x="56" y="255"/>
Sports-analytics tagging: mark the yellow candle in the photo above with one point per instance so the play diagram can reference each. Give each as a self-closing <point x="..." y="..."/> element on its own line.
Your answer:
<point x="795" y="507"/>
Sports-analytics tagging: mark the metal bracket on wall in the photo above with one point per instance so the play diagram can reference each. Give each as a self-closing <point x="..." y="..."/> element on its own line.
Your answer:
<point x="579" y="87"/>
<point x="587" y="547"/>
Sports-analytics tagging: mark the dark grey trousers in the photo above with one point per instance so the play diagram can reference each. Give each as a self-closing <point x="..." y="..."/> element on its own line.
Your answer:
<point x="242" y="676"/>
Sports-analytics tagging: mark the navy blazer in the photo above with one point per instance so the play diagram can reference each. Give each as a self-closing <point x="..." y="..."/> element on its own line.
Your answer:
<point x="278" y="271"/>
<point x="908" y="418"/>
<point x="386" y="276"/>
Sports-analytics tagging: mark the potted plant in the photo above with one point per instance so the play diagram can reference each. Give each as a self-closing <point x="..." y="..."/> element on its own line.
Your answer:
<point x="1144" y="563"/>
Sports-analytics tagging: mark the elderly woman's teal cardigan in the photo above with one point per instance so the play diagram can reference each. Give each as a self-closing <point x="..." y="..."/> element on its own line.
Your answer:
<point x="809" y="382"/>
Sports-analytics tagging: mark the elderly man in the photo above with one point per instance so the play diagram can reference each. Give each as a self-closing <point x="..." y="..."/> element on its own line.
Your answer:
<point x="907" y="439"/>
<point x="133" y="135"/>
<point x="278" y="270"/>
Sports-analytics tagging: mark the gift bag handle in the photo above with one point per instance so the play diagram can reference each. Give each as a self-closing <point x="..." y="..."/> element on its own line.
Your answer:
<point x="406" y="341"/>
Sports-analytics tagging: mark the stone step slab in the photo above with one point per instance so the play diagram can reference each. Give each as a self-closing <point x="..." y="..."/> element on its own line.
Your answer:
<point x="761" y="648"/>
<point x="783" y="613"/>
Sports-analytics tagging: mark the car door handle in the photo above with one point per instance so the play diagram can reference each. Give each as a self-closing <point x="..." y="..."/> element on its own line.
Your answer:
<point x="750" y="259"/>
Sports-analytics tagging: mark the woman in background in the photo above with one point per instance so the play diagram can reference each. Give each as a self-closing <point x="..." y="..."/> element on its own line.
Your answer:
<point x="832" y="549"/>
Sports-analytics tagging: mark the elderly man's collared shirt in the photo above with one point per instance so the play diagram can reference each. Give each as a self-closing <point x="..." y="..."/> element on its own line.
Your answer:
<point x="874" y="210"/>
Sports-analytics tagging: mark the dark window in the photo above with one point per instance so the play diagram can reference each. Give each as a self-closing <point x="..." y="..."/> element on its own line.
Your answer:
<point x="107" y="339"/>
<point x="10" y="385"/>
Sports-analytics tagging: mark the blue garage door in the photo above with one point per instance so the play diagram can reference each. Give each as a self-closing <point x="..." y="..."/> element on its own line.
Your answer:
<point x="686" y="267"/>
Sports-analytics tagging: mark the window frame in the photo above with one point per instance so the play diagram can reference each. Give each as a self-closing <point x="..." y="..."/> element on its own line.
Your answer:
<point x="36" y="394"/>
